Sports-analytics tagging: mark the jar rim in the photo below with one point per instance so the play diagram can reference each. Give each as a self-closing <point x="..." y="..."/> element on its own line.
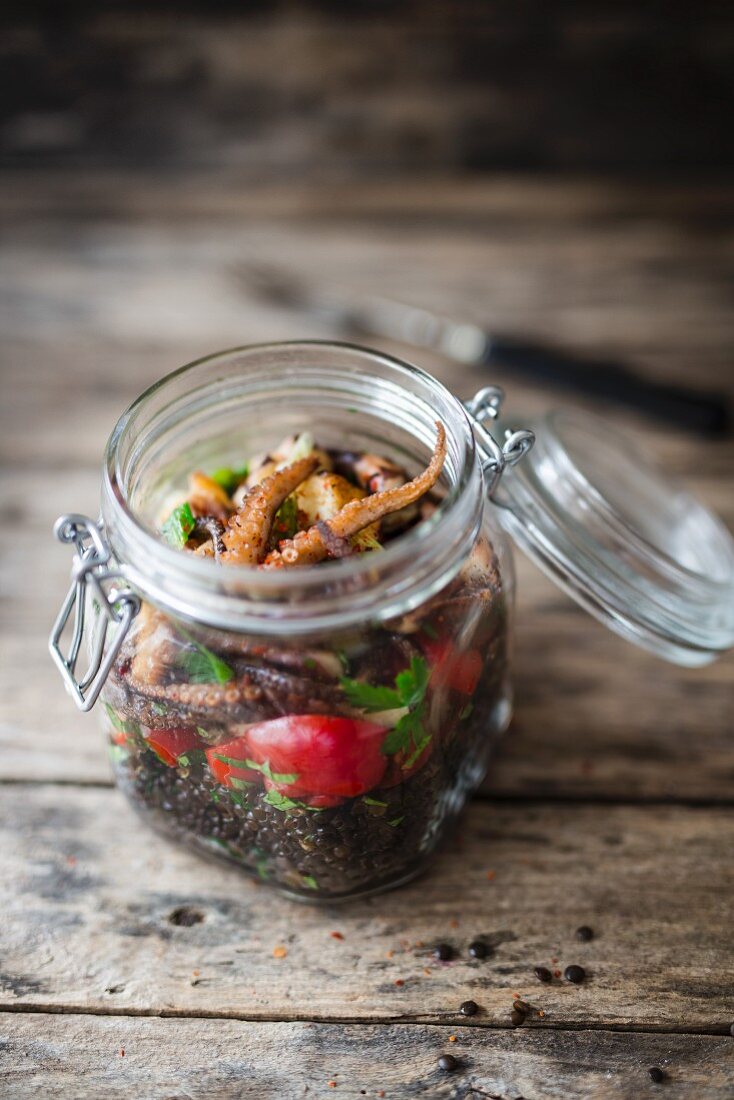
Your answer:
<point x="335" y="594"/>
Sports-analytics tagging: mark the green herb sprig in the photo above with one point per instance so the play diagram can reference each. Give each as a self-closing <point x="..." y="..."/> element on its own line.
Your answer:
<point x="229" y="478"/>
<point x="201" y="665"/>
<point x="179" y="525"/>
<point x="409" y="734"/>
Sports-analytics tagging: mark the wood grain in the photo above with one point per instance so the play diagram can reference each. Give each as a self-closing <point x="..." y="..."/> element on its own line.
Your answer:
<point x="217" y="1059"/>
<point x="607" y="803"/>
<point x="90" y="893"/>
<point x="351" y="90"/>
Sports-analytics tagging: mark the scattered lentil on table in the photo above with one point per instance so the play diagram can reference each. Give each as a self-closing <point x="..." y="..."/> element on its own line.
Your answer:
<point x="447" y="1063"/>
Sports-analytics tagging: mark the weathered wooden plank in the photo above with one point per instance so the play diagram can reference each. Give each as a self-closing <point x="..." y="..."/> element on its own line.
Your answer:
<point x="90" y="894"/>
<point x="214" y="1059"/>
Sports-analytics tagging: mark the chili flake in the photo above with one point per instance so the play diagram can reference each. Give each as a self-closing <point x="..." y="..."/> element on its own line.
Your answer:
<point x="122" y="1052"/>
<point x="452" y="1038"/>
<point x="399" y="981"/>
<point x="280" y="952"/>
<point x="490" y="875"/>
<point x="336" y="935"/>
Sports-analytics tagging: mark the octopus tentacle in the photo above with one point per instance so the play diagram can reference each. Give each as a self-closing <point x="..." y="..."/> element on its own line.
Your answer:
<point x="311" y="546"/>
<point x="246" y="536"/>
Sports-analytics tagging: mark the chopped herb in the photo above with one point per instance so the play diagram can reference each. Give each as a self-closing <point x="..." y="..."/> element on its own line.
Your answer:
<point x="310" y="663"/>
<point x="262" y="868"/>
<point x="120" y="724"/>
<point x="396" y="821"/>
<point x="96" y="607"/>
<point x="159" y="708"/>
<point x="280" y="801"/>
<point x="373" y="801"/>
<point x="466" y="711"/>
<point x="412" y="682"/>
<point x="179" y="525"/>
<point x="408" y="735"/>
<point x="429" y="630"/>
<point x="238" y="799"/>
<point x="203" y="666"/>
<point x="228" y="478"/>
<point x="310" y="882"/>
<point x="239" y="784"/>
<point x="366" y="542"/>
<point x="369" y="696"/>
<point x="285" y="524"/>
<point x="276" y="777"/>
<point x="215" y="796"/>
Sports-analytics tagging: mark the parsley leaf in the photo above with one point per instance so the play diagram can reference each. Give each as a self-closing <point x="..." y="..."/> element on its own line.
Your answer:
<point x="228" y="478"/>
<point x="408" y="735"/>
<point x="179" y="525"/>
<point x="283" y="802"/>
<point x="310" y="882"/>
<point x="276" y="777"/>
<point x="285" y="524"/>
<point x="201" y="665"/>
<point x="369" y="696"/>
<point x="412" y="683"/>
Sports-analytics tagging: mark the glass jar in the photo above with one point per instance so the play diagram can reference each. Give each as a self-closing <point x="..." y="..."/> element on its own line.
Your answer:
<point x="321" y="727"/>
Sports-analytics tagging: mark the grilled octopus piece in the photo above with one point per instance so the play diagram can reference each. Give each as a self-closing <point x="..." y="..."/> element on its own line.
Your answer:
<point x="248" y="530"/>
<point x="312" y="546"/>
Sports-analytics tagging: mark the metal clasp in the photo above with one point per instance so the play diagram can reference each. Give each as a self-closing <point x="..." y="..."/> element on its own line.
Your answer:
<point x="485" y="406"/>
<point x="114" y="607"/>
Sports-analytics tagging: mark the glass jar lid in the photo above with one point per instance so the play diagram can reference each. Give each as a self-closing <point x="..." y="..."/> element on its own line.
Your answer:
<point x="622" y="539"/>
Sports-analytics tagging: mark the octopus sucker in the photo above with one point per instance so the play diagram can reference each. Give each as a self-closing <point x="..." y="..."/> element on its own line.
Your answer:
<point x="248" y="530"/>
<point x="312" y="546"/>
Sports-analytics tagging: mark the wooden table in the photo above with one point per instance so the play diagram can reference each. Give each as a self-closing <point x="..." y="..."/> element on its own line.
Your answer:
<point x="130" y="968"/>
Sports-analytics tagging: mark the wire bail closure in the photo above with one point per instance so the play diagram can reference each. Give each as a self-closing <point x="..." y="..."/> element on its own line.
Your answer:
<point x="117" y="607"/>
<point x="485" y="406"/>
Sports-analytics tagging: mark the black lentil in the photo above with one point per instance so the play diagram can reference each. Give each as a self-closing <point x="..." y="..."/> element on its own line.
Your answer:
<point x="575" y="974"/>
<point x="517" y="1017"/>
<point x="543" y="974"/>
<point x="656" y="1074"/>
<point x="443" y="951"/>
<point x="469" y="1008"/>
<point x="447" y="1063"/>
<point x="584" y="933"/>
<point x="478" y="949"/>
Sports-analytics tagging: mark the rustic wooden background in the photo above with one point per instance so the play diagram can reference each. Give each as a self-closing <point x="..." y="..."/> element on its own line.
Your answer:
<point x="147" y="150"/>
<point x="610" y="802"/>
<point x="287" y="89"/>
